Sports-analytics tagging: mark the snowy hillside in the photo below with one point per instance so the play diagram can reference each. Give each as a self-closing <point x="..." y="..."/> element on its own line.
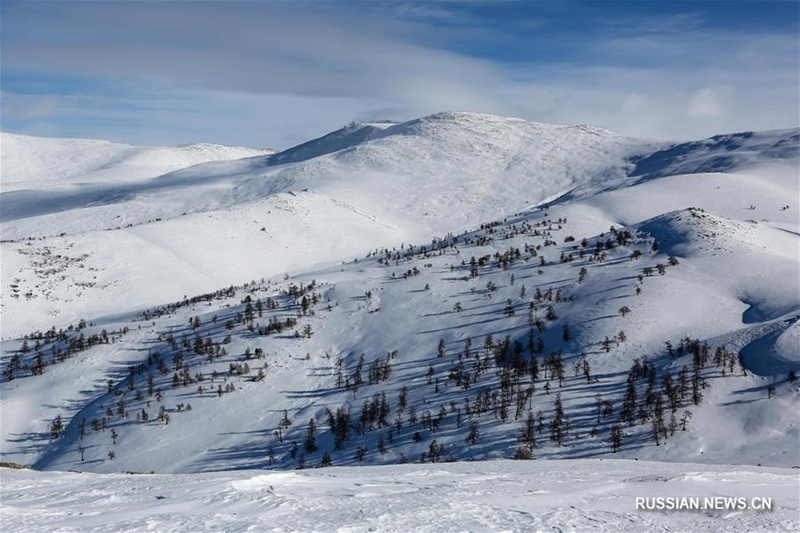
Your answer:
<point x="47" y="163"/>
<point x="351" y="135"/>
<point x="720" y="153"/>
<point x="404" y="174"/>
<point x="230" y="380"/>
<point x="329" y="199"/>
<point x="593" y="314"/>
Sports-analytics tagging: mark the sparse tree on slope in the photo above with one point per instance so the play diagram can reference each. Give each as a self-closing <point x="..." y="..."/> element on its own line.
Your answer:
<point x="616" y="438"/>
<point x="527" y="434"/>
<point x="310" y="444"/>
<point x="57" y="427"/>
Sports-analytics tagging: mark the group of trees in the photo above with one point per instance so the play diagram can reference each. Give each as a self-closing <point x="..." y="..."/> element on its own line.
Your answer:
<point x="511" y="382"/>
<point x="649" y="397"/>
<point x="40" y="350"/>
<point x="181" y="354"/>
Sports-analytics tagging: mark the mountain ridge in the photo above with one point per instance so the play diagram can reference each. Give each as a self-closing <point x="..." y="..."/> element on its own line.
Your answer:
<point x="47" y="162"/>
<point x="398" y="187"/>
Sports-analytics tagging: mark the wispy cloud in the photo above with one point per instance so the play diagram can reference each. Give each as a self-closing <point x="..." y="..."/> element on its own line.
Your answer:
<point x="270" y="73"/>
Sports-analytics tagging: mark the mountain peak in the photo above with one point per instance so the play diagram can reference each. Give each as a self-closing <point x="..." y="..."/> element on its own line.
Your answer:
<point x="447" y="121"/>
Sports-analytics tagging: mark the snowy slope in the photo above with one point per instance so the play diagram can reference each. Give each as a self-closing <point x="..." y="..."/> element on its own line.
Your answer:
<point x="471" y="164"/>
<point x="711" y="294"/>
<point x="720" y="153"/>
<point x="405" y="183"/>
<point x="582" y="495"/>
<point x="70" y="277"/>
<point x="726" y="244"/>
<point x="362" y="186"/>
<point x="50" y="163"/>
<point x="351" y="135"/>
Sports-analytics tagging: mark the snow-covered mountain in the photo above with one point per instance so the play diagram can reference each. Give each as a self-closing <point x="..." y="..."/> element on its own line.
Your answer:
<point x="331" y="198"/>
<point x="721" y="153"/>
<point x="432" y="262"/>
<point x="50" y="163"/>
<point x="401" y="174"/>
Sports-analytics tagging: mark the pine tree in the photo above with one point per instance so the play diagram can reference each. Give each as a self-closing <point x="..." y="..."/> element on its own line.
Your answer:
<point x="616" y="438"/>
<point x="434" y="451"/>
<point x="587" y="373"/>
<point x="687" y="415"/>
<point x="598" y="403"/>
<point x="310" y="444"/>
<point x="57" y="427"/>
<point x="474" y="433"/>
<point x="629" y="404"/>
<point x="533" y="366"/>
<point x="361" y="452"/>
<point x="557" y="423"/>
<point x="528" y="432"/>
<point x="326" y="460"/>
<point x="285" y="422"/>
<point x="402" y="399"/>
<point x="697" y="396"/>
<point x="658" y="426"/>
<point x="381" y="445"/>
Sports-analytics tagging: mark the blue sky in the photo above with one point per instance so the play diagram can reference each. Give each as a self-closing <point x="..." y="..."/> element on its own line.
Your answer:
<point x="273" y="74"/>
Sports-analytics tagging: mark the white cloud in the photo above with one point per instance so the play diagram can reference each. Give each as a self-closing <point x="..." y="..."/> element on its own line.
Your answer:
<point x="272" y="73"/>
<point x="709" y="102"/>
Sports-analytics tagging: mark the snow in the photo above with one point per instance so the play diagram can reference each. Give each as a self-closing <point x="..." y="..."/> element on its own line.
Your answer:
<point x="463" y="165"/>
<point x="700" y="297"/>
<point x="417" y="179"/>
<point x="146" y="265"/>
<point x="399" y="183"/>
<point x="787" y="342"/>
<point x="339" y="214"/>
<point x="720" y="153"/>
<point x="582" y="495"/>
<point x="52" y="163"/>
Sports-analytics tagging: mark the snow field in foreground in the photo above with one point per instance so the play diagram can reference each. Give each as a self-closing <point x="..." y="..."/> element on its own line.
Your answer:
<point x="582" y="495"/>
